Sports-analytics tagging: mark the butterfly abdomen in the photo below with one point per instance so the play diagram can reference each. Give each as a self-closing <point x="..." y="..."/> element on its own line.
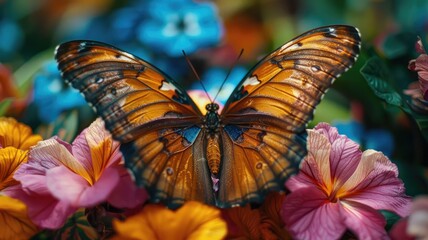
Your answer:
<point x="213" y="153"/>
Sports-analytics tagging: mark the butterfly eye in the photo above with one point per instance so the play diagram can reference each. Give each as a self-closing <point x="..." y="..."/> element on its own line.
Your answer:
<point x="212" y="107"/>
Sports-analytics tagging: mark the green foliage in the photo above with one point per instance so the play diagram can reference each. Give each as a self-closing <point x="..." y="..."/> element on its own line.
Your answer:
<point x="64" y="127"/>
<point x="4" y="106"/>
<point x="378" y="77"/>
<point x="76" y="227"/>
<point x="376" y="74"/>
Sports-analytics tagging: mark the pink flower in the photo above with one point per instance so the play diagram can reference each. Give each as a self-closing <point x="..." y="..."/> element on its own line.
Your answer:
<point x="416" y="225"/>
<point x="339" y="188"/>
<point x="418" y="91"/>
<point x="60" y="177"/>
<point x="420" y="65"/>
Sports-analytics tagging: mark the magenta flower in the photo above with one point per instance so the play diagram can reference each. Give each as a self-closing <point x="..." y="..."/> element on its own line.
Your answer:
<point x="339" y="188"/>
<point x="420" y="65"/>
<point x="415" y="226"/>
<point x="60" y="177"/>
<point x="418" y="91"/>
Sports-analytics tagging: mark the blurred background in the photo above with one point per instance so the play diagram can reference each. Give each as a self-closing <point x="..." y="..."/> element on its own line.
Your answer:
<point x="213" y="34"/>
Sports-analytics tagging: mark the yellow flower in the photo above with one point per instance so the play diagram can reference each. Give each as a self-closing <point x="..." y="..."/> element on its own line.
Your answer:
<point x="10" y="159"/>
<point x="15" y="134"/>
<point x="14" y="222"/>
<point x="193" y="220"/>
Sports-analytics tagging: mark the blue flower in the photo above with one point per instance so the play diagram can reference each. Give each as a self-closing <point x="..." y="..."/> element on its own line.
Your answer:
<point x="173" y="26"/>
<point x="213" y="78"/>
<point x="51" y="95"/>
<point x="377" y="139"/>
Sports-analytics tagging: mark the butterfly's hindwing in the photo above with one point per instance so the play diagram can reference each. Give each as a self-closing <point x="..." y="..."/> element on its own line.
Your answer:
<point x="172" y="167"/>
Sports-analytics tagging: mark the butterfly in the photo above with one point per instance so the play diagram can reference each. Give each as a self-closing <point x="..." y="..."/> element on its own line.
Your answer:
<point x="226" y="158"/>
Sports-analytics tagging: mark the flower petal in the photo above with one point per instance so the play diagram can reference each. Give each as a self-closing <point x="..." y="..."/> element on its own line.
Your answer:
<point x="272" y="225"/>
<point x="15" y="134"/>
<point x="419" y="46"/>
<point x="192" y="221"/>
<point x="364" y="221"/>
<point x="315" y="167"/>
<point x="328" y="131"/>
<point x="65" y="185"/>
<point x="51" y="153"/>
<point x="10" y="159"/>
<point x="398" y="231"/>
<point x="44" y="210"/>
<point x="319" y="150"/>
<point x="14" y="221"/>
<point x="31" y="183"/>
<point x="126" y="194"/>
<point x="308" y="215"/>
<point x="344" y="155"/>
<point x="375" y="183"/>
<point x="243" y="222"/>
<point x="417" y="224"/>
<point x="96" y="149"/>
<point x="76" y="191"/>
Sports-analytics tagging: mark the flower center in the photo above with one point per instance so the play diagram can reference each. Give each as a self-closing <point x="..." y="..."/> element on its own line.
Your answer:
<point x="333" y="192"/>
<point x="332" y="197"/>
<point x="179" y="24"/>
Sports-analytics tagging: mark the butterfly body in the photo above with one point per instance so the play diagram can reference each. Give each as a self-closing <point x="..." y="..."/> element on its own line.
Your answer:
<point x="225" y="158"/>
<point x="212" y="119"/>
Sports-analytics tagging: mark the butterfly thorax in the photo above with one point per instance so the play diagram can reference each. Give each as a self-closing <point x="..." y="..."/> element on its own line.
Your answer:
<point x="212" y="119"/>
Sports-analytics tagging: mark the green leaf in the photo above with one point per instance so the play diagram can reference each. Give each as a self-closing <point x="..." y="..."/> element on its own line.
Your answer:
<point x="77" y="227"/>
<point x="65" y="127"/>
<point x="4" y="106"/>
<point x="377" y="75"/>
<point x="24" y="75"/>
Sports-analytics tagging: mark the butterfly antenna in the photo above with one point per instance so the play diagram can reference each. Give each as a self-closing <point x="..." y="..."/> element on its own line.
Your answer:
<point x="230" y="70"/>
<point x="196" y="74"/>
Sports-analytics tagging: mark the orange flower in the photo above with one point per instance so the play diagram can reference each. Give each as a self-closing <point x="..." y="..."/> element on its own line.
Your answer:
<point x="258" y="223"/>
<point x="14" y="222"/>
<point x="15" y="140"/>
<point x="17" y="135"/>
<point x="193" y="220"/>
<point x="10" y="159"/>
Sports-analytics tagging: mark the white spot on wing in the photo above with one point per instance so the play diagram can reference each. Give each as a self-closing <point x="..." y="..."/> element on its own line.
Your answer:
<point x="128" y="55"/>
<point x="251" y="81"/>
<point x="166" y="86"/>
<point x="56" y="49"/>
<point x="294" y="46"/>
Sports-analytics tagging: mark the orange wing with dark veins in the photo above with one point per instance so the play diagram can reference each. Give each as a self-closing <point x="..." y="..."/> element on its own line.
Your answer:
<point x="265" y="117"/>
<point x="155" y="120"/>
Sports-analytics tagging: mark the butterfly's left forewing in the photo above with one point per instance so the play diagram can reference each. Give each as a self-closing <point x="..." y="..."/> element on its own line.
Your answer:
<point x="265" y="117"/>
<point x="155" y="120"/>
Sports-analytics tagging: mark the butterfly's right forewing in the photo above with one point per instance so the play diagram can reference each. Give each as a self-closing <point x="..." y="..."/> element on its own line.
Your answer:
<point x="266" y="115"/>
